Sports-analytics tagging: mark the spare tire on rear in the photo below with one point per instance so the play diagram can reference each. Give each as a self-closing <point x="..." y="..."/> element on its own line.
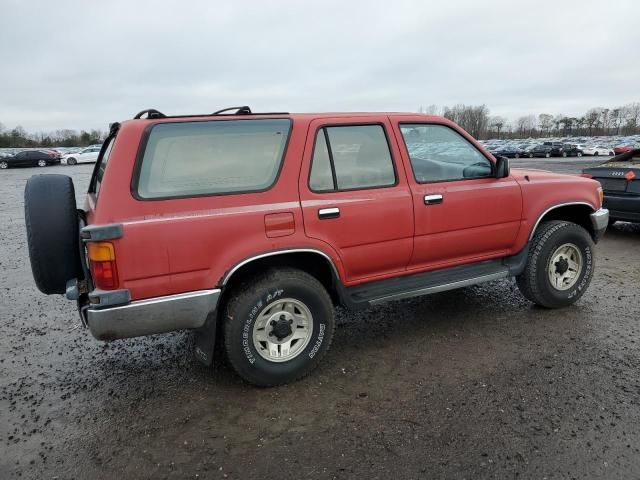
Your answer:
<point x="52" y="231"/>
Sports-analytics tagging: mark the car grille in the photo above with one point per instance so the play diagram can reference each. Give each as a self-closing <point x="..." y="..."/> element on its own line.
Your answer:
<point x="613" y="184"/>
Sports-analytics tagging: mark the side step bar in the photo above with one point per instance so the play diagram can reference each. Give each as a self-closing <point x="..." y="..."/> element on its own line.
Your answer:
<point x="425" y="283"/>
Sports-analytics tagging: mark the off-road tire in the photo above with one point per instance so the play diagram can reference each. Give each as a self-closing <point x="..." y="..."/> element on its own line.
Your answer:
<point x="245" y="303"/>
<point x="51" y="219"/>
<point x="534" y="281"/>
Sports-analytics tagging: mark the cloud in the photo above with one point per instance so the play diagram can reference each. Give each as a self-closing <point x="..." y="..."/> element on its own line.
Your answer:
<point x="85" y="64"/>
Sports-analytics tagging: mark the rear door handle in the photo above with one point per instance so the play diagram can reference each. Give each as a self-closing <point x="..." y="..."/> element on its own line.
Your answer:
<point x="326" y="213"/>
<point x="432" y="199"/>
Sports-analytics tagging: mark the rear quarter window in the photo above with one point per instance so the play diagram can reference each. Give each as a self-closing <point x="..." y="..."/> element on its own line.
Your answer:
<point x="211" y="158"/>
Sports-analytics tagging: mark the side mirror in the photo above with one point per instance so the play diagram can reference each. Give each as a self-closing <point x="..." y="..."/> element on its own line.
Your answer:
<point x="502" y="167"/>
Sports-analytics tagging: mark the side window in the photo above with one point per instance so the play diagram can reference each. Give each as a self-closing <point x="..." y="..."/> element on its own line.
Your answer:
<point x="351" y="157"/>
<point x="103" y="165"/>
<point x="439" y="153"/>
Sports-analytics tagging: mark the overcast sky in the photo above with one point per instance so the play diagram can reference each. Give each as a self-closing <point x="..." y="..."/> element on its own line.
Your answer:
<point x="84" y="64"/>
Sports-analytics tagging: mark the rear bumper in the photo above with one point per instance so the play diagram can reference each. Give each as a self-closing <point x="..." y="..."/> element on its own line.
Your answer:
<point x="154" y="315"/>
<point x="599" y="222"/>
<point x="623" y="207"/>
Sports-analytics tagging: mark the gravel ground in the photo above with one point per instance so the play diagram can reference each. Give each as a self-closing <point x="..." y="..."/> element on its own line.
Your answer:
<point x="475" y="383"/>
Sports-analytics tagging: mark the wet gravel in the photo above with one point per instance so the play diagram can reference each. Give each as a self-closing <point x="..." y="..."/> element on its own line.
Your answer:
<point x="476" y="383"/>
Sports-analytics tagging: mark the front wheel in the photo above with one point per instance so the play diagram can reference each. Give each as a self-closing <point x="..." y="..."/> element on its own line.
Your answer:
<point x="547" y="155"/>
<point x="579" y="154"/>
<point x="564" y="154"/>
<point x="71" y="161"/>
<point x="595" y="154"/>
<point x="278" y="327"/>
<point x="531" y="155"/>
<point x="560" y="265"/>
<point x="517" y="155"/>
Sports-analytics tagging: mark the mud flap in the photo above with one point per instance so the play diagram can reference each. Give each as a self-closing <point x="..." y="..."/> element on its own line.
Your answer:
<point x="205" y="341"/>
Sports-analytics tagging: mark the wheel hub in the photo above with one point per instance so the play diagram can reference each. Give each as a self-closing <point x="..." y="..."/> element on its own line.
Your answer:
<point x="565" y="266"/>
<point x="562" y="265"/>
<point x="282" y="330"/>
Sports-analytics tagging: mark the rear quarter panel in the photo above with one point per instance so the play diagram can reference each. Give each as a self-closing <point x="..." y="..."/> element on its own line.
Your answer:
<point x="180" y="245"/>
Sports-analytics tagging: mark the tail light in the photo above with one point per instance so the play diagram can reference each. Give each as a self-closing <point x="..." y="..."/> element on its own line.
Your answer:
<point x="102" y="263"/>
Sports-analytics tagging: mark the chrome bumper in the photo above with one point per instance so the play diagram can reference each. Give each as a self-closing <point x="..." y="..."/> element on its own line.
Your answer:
<point x="154" y="315"/>
<point x="599" y="221"/>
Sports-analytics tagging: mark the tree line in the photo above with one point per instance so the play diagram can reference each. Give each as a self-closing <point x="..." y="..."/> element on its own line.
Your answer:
<point x="18" y="137"/>
<point x="475" y="119"/>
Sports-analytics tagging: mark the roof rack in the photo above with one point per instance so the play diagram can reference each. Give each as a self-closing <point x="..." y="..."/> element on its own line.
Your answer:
<point x="245" y="110"/>
<point x="151" y="113"/>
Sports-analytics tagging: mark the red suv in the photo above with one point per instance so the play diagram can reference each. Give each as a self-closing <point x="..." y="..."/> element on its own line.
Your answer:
<point x="252" y="227"/>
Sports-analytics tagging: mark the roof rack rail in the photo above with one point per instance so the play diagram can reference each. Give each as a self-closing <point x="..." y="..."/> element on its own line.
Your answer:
<point x="245" y="110"/>
<point x="151" y="113"/>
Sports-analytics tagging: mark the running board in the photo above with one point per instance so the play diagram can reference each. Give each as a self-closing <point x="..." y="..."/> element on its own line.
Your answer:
<point x="426" y="283"/>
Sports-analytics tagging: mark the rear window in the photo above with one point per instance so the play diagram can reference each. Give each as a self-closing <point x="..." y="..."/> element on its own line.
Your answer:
<point x="208" y="158"/>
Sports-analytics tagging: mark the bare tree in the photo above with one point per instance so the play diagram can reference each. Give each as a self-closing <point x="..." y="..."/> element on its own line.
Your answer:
<point x="497" y="122"/>
<point x="545" y="121"/>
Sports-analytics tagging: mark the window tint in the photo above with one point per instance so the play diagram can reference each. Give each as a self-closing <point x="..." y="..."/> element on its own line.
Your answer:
<point x="355" y="156"/>
<point x="439" y="153"/>
<point x="204" y="158"/>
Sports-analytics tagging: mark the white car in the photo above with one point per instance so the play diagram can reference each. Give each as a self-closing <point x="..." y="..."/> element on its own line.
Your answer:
<point x="595" y="150"/>
<point x="88" y="155"/>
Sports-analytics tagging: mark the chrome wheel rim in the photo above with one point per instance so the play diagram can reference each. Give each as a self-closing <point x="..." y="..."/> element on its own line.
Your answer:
<point x="282" y="330"/>
<point x="42" y="163"/>
<point x="565" y="266"/>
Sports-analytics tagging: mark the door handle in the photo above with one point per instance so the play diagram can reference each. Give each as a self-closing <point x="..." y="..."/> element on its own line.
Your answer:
<point x="432" y="199"/>
<point x="326" y="213"/>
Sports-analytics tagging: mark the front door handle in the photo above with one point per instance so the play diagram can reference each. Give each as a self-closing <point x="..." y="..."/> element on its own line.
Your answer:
<point x="326" y="213"/>
<point x="432" y="199"/>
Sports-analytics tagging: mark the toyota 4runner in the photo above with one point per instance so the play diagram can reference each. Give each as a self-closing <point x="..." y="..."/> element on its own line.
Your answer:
<point x="252" y="227"/>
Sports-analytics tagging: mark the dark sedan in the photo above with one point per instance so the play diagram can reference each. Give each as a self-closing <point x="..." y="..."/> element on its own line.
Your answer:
<point x="542" y="151"/>
<point x="620" y="180"/>
<point x="571" y="150"/>
<point x="510" y="152"/>
<point x="30" y="158"/>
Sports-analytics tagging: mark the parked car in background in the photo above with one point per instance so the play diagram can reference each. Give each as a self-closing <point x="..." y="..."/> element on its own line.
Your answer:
<point x="624" y="148"/>
<point x="597" y="150"/>
<point x="556" y="148"/>
<point x="30" y="158"/>
<point x="88" y="155"/>
<point x="541" y="151"/>
<point x="509" y="152"/>
<point x="620" y="180"/>
<point x="571" y="150"/>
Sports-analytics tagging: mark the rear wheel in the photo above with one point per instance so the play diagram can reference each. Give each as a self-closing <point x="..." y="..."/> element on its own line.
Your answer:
<point x="42" y="163"/>
<point x="579" y="154"/>
<point x="595" y="154"/>
<point x="517" y="155"/>
<point x="564" y="154"/>
<point x="531" y="155"/>
<point x="278" y="327"/>
<point x="559" y="266"/>
<point x="51" y="219"/>
<point x="547" y="155"/>
<point x="4" y="164"/>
